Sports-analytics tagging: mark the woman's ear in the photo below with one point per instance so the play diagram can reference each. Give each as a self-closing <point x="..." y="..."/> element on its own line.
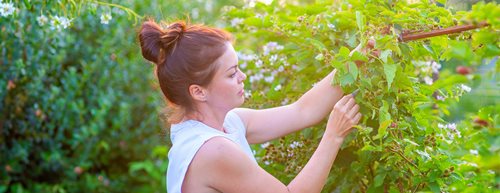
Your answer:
<point x="198" y="93"/>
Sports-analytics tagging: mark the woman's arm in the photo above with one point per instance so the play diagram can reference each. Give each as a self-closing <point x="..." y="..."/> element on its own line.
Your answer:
<point x="227" y="169"/>
<point x="309" y="109"/>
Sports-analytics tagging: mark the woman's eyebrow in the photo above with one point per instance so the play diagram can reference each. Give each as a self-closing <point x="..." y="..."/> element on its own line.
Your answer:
<point x="231" y="67"/>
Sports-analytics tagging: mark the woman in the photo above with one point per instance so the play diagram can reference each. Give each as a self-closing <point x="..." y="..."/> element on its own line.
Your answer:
<point x="197" y="69"/>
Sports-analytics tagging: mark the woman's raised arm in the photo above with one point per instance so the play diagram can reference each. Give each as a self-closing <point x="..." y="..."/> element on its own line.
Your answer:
<point x="267" y="124"/>
<point x="225" y="168"/>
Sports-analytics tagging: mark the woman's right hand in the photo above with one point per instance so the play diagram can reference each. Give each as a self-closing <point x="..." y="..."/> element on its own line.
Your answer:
<point x="344" y="116"/>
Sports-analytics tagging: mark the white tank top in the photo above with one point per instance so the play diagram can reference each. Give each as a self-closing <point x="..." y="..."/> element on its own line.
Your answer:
<point x="188" y="136"/>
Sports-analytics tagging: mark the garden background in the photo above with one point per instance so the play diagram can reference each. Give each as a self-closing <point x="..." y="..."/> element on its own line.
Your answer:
<point x="80" y="109"/>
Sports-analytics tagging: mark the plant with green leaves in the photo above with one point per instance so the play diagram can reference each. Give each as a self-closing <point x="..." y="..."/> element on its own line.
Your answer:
<point x="78" y="112"/>
<point x="407" y="140"/>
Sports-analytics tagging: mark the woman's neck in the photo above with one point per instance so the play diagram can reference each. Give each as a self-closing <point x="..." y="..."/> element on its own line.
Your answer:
<point x="210" y="117"/>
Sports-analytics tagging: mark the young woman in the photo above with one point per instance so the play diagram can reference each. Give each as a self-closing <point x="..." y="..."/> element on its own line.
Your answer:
<point x="197" y="69"/>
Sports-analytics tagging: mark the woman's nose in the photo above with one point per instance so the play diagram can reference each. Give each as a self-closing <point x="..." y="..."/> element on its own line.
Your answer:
<point x="243" y="76"/>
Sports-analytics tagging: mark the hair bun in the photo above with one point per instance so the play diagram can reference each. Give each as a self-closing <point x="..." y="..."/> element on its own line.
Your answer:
<point x="173" y="34"/>
<point x="155" y="41"/>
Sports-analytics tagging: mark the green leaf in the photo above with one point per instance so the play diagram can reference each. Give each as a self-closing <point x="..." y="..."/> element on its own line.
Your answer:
<point x="384" y="54"/>
<point x="379" y="179"/>
<point x="319" y="45"/>
<point x="360" y="21"/>
<point x="344" y="52"/>
<point x="390" y="73"/>
<point x="347" y="79"/>
<point x="353" y="70"/>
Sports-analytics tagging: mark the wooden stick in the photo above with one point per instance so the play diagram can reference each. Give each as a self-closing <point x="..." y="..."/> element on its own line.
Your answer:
<point x="450" y="30"/>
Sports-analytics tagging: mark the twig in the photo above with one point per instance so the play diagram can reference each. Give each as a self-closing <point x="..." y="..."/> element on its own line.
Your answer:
<point x="450" y="30"/>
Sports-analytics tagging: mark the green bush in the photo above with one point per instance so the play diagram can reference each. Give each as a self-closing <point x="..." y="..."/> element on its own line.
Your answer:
<point x="408" y="140"/>
<point x="79" y="107"/>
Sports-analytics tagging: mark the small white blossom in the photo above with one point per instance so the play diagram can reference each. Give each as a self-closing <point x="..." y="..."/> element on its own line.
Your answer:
<point x="267" y="162"/>
<point x="331" y="26"/>
<point x="281" y="69"/>
<point x="248" y="94"/>
<point x="269" y="79"/>
<point x="428" y="80"/>
<point x="465" y="88"/>
<point x="236" y="21"/>
<point x="59" y="23"/>
<point x="285" y="101"/>
<point x="209" y="6"/>
<point x="195" y="13"/>
<point x="295" y="144"/>
<point x="271" y="46"/>
<point x="440" y="98"/>
<point x="319" y="57"/>
<point x="435" y="66"/>
<point x="7" y="9"/>
<point x="424" y="154"/>
<point x="258" y="63"/>
<point x="278" y="87"/>
<point x="273" y="58"/>
<point x="105" y="18"/>
<point x="256" y="77"/>
<point x="441" y="126"/>
<point x="473" y="152"/>
<point x="264" y="145"/>
<point x="42" y="20"/>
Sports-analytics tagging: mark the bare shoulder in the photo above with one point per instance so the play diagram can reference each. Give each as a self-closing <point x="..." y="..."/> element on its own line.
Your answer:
<point x="222" y="154"/>
<point x="222" y="165"/>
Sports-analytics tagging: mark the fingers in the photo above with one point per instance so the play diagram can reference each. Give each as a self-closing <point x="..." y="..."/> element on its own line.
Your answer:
<point x="352" y="112"/>
<point x="357" y="118"/>
<point x="344" y="100"/>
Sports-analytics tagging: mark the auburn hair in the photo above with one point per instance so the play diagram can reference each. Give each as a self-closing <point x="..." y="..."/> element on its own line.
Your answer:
<point x="184" y="55"/>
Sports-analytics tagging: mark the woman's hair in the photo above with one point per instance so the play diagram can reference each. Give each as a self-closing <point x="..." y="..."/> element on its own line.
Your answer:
<point x="184" y="55"/>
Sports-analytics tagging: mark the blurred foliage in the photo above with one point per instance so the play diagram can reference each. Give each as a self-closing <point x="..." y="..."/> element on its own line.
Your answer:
<point x="430" y="106"/>
<point x="79" y="107"/>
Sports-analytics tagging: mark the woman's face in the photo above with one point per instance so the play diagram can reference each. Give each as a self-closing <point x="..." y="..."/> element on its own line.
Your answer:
<point x="225" y="91"/>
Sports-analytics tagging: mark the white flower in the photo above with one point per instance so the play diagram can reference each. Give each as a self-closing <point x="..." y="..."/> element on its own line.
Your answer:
<point x="249" y="3"/>
<point x="473" y="152"/>
<point x="245" y="57"/>
<point x="258" y="63"/>
<point x="452" y="126"/>
<point x="441" y="126"/>
<point x="331" y="26"/>
<point x="269" y="79"/>
<point x="209" y="6"/>
<point x="267" y="162"/>
<point x="271" y="46"/>
<point x="435" y="66"/>
<point x="424" y="154"/>
<point x="7" y="9"/>
<point x="295" y="144"/>
<point x="319" y="57"/>
<point x="465" y="88"/>
<point x="42" y="20"/>
<point x="281" y="68"/>
<point x="236" y="21"/>
<point x="428" y="80"/>
<point x="105" y="18"/>
<point x="440" y="98"/>
<point x="285" y="101"/>
<point x="264" y="145"/>
<point x="248" y="94"/>
<point x="273" y="58"/>
<point x="256" y="77"/>
<point x="267" y="2"/>
<point x="278" y="87"/>
<point x="195" y="13"/>
<point x="58" y="23"/>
